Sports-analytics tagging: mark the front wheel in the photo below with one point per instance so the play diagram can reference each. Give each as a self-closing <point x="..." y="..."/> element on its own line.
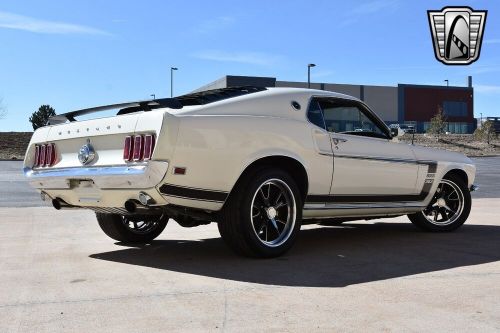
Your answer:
<point x="262" y="217"/>
<point x="132" y="229"/>
<point x="449" y="208"/>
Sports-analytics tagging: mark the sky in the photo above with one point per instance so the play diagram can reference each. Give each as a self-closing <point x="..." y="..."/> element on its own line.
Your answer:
<point x="76" y="54"/>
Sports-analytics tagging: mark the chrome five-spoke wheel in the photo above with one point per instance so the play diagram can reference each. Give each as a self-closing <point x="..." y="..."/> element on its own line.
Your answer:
<point x="449" y="207"/>
<point x="130" y="228"/>
<point x="262" y="216"/>
<point x="140" y="226"/>
<point x="273" y="212"/>
<point x="446" y="205"/>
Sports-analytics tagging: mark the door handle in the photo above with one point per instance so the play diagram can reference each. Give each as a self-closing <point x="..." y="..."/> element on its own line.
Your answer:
<point x="337" y="140"/>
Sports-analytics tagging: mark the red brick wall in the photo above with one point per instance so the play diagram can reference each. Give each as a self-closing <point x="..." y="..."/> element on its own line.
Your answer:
<point x="421" y="104"/>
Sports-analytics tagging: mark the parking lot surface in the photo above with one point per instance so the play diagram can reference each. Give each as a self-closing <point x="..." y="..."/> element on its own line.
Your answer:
<point x="59" y="272"/>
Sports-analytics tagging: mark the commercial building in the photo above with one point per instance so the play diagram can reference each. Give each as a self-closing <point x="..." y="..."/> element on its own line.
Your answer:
<point x="409" y="104"/>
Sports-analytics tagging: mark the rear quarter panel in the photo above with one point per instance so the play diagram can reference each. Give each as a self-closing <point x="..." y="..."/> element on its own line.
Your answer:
<point x="217" y="149"/>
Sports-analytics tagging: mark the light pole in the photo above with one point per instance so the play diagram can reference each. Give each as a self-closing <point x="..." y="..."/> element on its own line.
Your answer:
<point x="153" y="95"/>
<point x="481" y="122"/>
<point x="172" y="69"/>
<point x="309" y="74"/>
<point x="447" y="83"/>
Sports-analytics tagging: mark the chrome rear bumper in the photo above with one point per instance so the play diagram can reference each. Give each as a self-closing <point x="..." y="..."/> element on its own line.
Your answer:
<point x="145" y="175"/>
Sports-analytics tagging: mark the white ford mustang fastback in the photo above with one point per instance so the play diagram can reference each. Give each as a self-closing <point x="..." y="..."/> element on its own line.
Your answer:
<point x="259" y="162"/>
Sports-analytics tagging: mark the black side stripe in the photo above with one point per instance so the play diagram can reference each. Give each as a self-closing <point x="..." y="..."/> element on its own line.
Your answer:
<point x="193" y="193"/>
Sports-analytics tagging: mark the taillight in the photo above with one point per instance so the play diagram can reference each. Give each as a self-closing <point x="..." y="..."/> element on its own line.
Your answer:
<point x="45" y="155"/>
<point x="37" y="156"/>
<point x="128" y="148"/>
<point x="139" y="147"/>
<point x="43" y="151"/>
<point x="50" y="159"/>
<point x="149" y="145"/>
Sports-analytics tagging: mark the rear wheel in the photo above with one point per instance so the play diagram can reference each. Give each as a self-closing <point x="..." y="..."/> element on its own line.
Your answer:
<point x="262" y="217"/>
<point x="448" y="209"/>
<point x="132" y="229"/>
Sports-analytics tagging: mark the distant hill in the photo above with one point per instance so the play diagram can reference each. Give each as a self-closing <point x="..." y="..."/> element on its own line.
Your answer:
<point x="13" y="145"/>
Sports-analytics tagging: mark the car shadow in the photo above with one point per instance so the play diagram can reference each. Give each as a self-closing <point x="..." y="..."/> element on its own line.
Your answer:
<point x="326" y="256"/>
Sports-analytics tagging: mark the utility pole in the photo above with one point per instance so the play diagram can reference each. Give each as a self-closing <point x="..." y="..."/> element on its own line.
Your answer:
<point x="309" y="74"/>
<point x="447" y="83"/>
<point x="172" y="69"/>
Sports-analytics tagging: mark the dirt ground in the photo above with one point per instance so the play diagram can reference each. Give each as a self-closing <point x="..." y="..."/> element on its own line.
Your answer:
<point x="462" y="143"/>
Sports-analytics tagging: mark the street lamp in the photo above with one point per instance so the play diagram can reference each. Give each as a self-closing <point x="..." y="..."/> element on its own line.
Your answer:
<point x="309" y="74"/>
<point x="447" y="83"/>
<point x="172" y="69"/>
<point x="153" y="95"/>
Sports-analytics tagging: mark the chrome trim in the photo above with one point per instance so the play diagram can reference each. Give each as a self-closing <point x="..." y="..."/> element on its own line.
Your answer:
<point x="144" y="175"/>
<point x="377" y="158"/>
<point x="316" y="206"/>
<point x="474" y="188"/>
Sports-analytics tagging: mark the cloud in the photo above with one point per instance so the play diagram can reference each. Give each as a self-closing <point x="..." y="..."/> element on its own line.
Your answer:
<point x="250" y="58"/>
<point x="372" y="7"/>
<point x="214" y="25"/>
<point x="367" y="8"/>
<point x="487" y="89"/>
<point x="492" y="41"/>
<point x="25" y="23"/>
<point x="485" y="69"/>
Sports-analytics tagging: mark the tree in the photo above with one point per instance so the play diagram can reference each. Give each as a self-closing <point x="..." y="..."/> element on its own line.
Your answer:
<point x="485" y="132"/>
<point x="41" y="117"/>
<point x="438" y="123"/>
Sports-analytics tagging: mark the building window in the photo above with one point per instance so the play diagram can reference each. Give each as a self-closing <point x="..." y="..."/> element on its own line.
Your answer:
<point x="455" y="109"/>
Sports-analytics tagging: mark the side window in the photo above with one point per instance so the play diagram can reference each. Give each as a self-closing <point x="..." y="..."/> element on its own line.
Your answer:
<point x="347" y="117"/>
<point x="314" y="114"/>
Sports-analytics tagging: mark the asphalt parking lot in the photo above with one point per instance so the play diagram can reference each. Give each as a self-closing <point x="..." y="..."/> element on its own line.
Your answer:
<point x="59" y="272"/>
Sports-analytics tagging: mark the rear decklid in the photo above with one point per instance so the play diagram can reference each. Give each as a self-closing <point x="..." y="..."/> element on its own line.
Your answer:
<point x="105" y="135"/>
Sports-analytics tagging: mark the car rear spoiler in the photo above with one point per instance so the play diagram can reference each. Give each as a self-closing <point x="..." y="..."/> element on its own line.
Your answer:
<point x="128" y="107"/>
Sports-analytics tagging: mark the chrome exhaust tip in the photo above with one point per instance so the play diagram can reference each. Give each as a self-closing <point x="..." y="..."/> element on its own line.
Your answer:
<point x="145" y="199"/>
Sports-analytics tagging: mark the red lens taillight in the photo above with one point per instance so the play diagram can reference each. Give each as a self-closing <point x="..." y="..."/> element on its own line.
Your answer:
<point x="149" y="145"/>
<point x="128" y="148"/>
<point x="37" y="156"/>
<point x="139" y="147"/>
<point x="45" y="155"/>
<point x="50" y="159"/>
<point x="43" y="151"/>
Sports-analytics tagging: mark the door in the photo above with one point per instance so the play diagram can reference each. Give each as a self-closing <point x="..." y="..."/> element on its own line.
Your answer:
<point x="368" y="165"/>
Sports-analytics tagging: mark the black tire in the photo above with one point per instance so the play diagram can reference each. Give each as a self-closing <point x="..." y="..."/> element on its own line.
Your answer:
<point x="244" y="213"/>
<point x="120" y="228"/>
<point x="448" y="222"/>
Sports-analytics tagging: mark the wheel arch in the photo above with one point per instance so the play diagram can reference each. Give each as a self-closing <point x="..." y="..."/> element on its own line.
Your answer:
<point x="289" y="164"/>
<point x="459" y="173"/>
